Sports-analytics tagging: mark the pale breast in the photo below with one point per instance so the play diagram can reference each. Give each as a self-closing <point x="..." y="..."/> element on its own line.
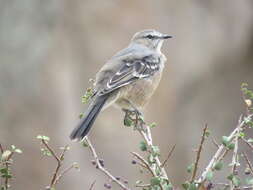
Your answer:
<point x="138" y="93"/>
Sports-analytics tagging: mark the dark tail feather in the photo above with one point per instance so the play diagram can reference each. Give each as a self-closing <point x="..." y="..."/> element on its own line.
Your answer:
<point x="87" y="121"/>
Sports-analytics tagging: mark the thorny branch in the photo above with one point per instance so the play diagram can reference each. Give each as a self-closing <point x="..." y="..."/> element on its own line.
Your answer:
<point x="198" y="154"/>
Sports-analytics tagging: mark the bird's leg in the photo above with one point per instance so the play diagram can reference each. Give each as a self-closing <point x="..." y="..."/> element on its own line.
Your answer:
<point x="127" y="117"/>
<point x="138" y="116"/>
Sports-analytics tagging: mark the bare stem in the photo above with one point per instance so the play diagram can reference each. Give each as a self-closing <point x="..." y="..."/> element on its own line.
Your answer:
<point x="169" y="155"/>
<point x="234" y="160"/>
<point x="248" y="163"/>
<point x="249" y="144"/>
<point x="101" y="168"/>
<point x="92" y="185"/>
<point x="59" y="163"/>
<point x="1" y="148"/>
<point x="144" y="162"/>
<point x="64" y="172"/>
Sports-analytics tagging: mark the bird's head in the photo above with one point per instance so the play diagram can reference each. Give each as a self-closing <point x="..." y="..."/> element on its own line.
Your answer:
<point x="150" y="38"/>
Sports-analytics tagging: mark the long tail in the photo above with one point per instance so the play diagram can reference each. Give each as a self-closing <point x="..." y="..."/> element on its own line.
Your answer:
<point x="87" y="121"/>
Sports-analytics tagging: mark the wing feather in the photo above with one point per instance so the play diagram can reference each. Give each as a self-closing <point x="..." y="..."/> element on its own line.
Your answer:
<point x="131" y="71"/>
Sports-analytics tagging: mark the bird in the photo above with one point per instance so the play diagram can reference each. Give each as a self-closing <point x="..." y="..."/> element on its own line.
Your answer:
<point x="127" y="80"/>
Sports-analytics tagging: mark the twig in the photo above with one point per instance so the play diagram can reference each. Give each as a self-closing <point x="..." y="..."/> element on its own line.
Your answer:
<point x="144" y="162"/>
<point x="223" y="155"/>
<point x="248" y="162"/>
<point x="64" y="172"/>
<point x="169" y="155"/>
<point x="234" y="159"/>
<point x="240" y="126"/>
<point x="249" y="144"/>
<point x="198" y="154"/>
<point x="1" y="148"/>
<point x="244" y="188"/>
<point x="7" y="164"/>
<point x="215" y="143"/>
<point x="143" y="185"/>
<point x="92" y="185"/>
<point x="101" y="168"/>
<point x="58" y="159"/>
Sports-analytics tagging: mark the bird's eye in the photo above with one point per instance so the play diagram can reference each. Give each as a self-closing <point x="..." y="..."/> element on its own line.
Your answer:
<point x="150" y="36"/>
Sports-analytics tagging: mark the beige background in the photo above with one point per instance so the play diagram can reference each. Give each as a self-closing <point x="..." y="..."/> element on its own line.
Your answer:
<point x="49" y="49"/>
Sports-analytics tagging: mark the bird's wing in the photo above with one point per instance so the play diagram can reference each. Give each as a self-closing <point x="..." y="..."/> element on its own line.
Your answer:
<point x="131" y="69"/>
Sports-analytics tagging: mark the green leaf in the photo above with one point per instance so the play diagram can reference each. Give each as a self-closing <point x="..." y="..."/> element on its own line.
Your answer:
<point x="236" y="181"/>
<point x="19" y="151"/>
<point x="143" y="146"/>
<point x="225" y="140"/>
<point x="231" y="146"/>
<point x="207" y="133"/>
<point x="151" y="159"/>
<point x="218" y="166"/>
<point x="152" y="125"/>
<point x="4" y="170"/>
<point x="190" y="168"/>
<point x="158" y="171"/>
<point x="81" y="115"/>
<point x="7" y="176"/>
<point x="155" y="181"/>
<point x="39" y="137"/>
<point x="138" y="182"/>
<point x="155" y="151"/>
<point x="42" y="137"/>
<point x="230" y="177"/>
<point x="241" y="134"/>
<point x="249" y="181"/>
<point x="84" y="143"/>
<point x="167" y="186"/>
<point x="13" y="147"/>
<point x="192" y="186"/>
<point x="186" y="185"/>
<point x="128" y="122"/>
<point x="209" y="175"/>
<point x="250" y="140"/>
<point x="244" y="85"/>
<point x="6" y="154"/>
<point x="88" y="94"/>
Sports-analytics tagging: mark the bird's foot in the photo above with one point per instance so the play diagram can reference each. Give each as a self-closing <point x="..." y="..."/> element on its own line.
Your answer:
<point x="134" y="118"/>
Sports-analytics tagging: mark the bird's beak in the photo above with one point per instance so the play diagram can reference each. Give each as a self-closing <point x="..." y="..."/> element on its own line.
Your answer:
<point x="165" y="36"/>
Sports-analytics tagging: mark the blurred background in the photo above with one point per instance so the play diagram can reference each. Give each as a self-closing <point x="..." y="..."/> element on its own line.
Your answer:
<point x="49" y="49"/>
